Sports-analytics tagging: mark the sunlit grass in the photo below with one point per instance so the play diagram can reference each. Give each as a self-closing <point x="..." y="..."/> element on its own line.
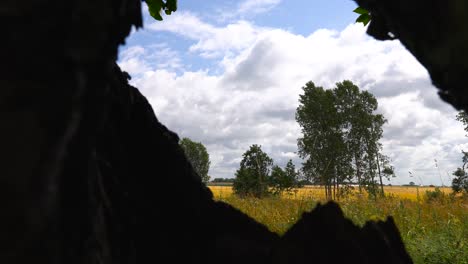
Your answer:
<point x="434" y="232"/>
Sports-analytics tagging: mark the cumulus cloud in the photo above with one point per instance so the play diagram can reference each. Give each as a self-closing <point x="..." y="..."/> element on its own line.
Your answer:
<point x="137" y="60"/>
<point x="253" y="98"/>
<point x="211" y="41"/>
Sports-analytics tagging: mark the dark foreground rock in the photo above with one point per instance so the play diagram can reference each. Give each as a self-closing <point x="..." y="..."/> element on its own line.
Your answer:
<point x="89" y="175"/>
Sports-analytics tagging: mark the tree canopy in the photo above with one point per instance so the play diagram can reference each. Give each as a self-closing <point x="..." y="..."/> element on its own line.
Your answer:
<point x="460" y="180"/>
<point x="252" y="178"/>
<point x="341" y="133"/>
<point x="462" y="116"/>
<point x="198" y="156"/>
<point x="284" y="180"/>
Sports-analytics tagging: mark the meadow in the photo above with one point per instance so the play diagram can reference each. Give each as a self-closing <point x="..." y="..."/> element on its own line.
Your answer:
<point x="433" y="224"/>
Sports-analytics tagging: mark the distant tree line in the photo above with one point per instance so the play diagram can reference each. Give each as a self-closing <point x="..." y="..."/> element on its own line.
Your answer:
<point x="223" y="180"/>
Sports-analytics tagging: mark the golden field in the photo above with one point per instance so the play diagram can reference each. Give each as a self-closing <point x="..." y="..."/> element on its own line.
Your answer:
<point x="434" y="230"/>
<point x="318" y="193"/>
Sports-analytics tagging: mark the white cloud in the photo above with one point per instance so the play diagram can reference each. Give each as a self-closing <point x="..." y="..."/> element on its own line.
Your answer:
<point x="211" y="41"/>
<point x="131" y="60"/>
<point x="257" y="6"/>
<point x="245" y="9"/>
<point x="253" y="99"/>
<point x="137" y="60"/>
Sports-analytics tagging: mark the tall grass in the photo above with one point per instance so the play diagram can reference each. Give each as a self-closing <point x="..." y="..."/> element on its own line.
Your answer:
<point x="435" y="230"/>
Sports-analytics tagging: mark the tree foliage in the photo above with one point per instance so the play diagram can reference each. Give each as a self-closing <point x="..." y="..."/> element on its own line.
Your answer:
<point x="284" y="180"/>
<point x="460" y="181"/>
<point x="252" y="178"/>
<point x="364" y="16"/>
<point x="462" y="116"/>
<point x="155" y="7"/>
<point x="341" y="134"/>
<point x="277" y="179"/>
<point x="322" y="140"/>
<point x="198" y="156"/>
<point x="223" y="180"/>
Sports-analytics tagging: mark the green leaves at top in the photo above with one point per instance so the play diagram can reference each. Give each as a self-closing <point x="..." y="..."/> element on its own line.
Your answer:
<point x="365" y="16"/>
<point x="156" y="6"/>
<point x="361" y="11"/>
<point x="171" y="6"/>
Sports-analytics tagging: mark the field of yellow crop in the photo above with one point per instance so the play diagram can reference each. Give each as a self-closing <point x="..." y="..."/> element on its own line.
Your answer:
<point x="434" y="231"/>
<point x="318" y="193"/>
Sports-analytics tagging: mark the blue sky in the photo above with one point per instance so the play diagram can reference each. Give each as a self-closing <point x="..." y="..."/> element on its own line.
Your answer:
<point x="229" y="74"/>
<point x="299" y="17"/>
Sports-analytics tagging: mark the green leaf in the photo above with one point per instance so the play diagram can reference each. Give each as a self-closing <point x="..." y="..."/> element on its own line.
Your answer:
<point x="361" y="11"/>
<point x="171" y="5"/>
<point x="364" y="18"/>
<point x="154" y="8"/>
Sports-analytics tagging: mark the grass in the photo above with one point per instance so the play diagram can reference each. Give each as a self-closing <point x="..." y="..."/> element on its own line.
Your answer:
<point x="434" y="230"/>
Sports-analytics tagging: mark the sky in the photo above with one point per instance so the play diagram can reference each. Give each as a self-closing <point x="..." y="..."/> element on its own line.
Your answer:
<point x="229" y="74"/>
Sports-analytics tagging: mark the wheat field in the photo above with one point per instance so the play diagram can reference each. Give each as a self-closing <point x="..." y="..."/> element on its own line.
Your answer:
<point x="435" y="230"/>
<point x="318" y="193"/>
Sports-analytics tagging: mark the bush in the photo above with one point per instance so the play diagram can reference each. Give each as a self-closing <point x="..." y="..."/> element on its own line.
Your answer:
<point x="435" y="196"/>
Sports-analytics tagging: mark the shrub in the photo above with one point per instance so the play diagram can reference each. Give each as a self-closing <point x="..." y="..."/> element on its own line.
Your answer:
<point x="435" y="196"/>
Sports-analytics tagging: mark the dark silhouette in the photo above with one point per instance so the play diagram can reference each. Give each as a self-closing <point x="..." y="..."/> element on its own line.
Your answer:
<point x="325" y="236"/>
<point x="435" y="32"/>
<point x="85" y="162"/>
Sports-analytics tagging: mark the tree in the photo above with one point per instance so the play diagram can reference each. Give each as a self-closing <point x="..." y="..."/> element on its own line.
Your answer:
<point x="460" y="182"/>
<point x="322" y="141"/>
<point x="462" y="116"/>
<point x="292" y="174"/>
<point x="223" y="180"/>
<point x="252" y="178"/>
<point x="284" y="180"/>
<point x="198" y="156"/>
<point x="386" y="170"/>
<point x="278" y="180"/>
<point x="341" y="134"/>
